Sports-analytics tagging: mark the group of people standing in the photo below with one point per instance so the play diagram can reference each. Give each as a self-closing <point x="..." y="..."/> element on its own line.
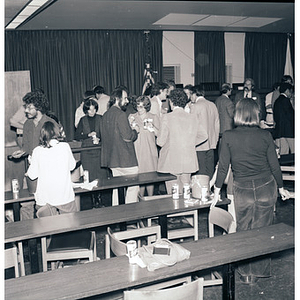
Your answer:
<point x="169" y="130"/>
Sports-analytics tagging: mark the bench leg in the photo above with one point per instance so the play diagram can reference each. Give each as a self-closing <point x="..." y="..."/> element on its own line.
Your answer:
<point x="163" y="222"/>
<point x="228" y="282"/>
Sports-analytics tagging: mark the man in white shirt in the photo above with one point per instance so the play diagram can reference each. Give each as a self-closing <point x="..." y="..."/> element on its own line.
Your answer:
<point x="102" y="99"/>
<point x="79" y="111"/>
<point x="208" y="120"/>
<point x="159" y="93"/>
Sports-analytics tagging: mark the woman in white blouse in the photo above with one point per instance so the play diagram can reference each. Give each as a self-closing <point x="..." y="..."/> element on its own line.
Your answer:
<point x="52" y="163"/>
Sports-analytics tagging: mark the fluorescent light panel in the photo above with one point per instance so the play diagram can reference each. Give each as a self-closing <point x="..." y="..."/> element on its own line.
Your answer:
<point x="254" y="22"/>
<point x="180" y="19"/>
<point x="214" y="20"/>
<point x="31" y="8"/>
<point x="218" y="21"/>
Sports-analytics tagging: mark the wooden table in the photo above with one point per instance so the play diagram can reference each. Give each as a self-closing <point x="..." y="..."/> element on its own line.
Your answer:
<point x="36" y="228"/>
<point x="115" y="274"/>
<point x="103" y="184"/>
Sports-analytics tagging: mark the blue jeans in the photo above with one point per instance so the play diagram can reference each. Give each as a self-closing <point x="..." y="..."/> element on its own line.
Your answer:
<point x="254" y="202"/>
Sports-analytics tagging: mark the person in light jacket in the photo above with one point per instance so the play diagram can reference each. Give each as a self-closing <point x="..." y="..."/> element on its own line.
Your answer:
<point x="178" y="136"/>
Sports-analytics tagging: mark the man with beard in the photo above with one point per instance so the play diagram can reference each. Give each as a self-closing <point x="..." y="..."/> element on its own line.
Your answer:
<point x="36" y="106"/>
<point x="118" y="136"/>
<point x="248" y="92"/>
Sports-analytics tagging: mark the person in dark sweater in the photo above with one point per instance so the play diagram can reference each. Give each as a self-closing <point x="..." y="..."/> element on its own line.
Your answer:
<point x="284" y="117"/>
<point x="256" y="174"/>
<point x="118" y="151"/>
<point x="88" y="131"/>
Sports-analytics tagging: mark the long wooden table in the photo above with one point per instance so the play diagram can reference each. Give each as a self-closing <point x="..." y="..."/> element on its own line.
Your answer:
<point x="36" y="228"/>
<point x="103" y="184"/>
<point x="116" y="274"/>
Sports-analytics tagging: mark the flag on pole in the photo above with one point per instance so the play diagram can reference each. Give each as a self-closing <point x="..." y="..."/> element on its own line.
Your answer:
<point x="148" y="78"/>
<point x="288" y="69"/>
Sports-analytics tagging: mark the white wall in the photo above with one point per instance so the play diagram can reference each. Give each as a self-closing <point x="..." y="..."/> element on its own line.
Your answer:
<point x="178" y="49"/>
<point x="234" y="55"/>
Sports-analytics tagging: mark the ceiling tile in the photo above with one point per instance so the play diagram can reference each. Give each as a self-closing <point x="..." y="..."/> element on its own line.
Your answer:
<point x="179" y="19"/>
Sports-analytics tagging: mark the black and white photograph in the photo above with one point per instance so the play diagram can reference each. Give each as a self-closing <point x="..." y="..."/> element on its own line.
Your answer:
<point x="149" y="150"/>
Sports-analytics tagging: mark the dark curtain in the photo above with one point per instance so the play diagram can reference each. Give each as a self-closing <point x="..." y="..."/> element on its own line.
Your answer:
<point x="265" y="55"/>
<point x="209" y="57"/>
<point x="66" y="63"/>
<point x="292" y="46"/>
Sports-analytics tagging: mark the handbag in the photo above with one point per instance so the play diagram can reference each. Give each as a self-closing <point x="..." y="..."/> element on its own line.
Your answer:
<point x="177" y="253"/>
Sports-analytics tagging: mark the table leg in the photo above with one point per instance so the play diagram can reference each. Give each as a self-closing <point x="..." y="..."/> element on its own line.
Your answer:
<point x="228" y="282"/>
<point x="121" y="195"/>
<point x="33" y="256"/>
<point x="21" y="258"/>
<point x="16" y="210"/>
<point x="163" y="222"/>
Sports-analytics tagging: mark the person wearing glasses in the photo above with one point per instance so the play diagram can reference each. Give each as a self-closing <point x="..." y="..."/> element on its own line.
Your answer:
<point x="36" y="107"/>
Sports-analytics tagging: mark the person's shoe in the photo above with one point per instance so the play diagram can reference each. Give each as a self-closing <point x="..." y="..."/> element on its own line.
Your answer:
<point x="249" y="279"/>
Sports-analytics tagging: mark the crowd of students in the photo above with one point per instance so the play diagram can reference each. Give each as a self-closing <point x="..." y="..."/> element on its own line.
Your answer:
<point x="169" y="130"/>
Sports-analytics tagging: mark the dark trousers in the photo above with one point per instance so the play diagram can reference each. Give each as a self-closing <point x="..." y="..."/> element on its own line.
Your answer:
<point x="254" y="202"/>
<point x="206" y="163"/>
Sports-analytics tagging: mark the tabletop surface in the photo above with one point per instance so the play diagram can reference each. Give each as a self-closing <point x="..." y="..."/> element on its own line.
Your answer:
<point x="27" y="229"/>
<point x="110" y="183"/>
<point x="117" y="274"/>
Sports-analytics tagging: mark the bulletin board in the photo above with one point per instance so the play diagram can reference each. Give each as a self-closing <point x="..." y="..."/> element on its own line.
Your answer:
<point x="17" y="84"/>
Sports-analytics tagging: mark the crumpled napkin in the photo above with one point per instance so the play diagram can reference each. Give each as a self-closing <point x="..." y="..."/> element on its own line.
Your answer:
<point x="86" y="185"/>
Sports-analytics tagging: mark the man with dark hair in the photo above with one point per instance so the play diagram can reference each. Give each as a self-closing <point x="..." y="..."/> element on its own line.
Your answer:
<point x="102" y="99"/>
<point x="166" y="106"/>
<point x="225" y="108"/>
<point x="117" y="136"/>
<point x="269" y="106"/>
<point x="208" y="120"/>
<point x="178" y="136"/>
<point x="36" y="106"/>
<point x="284" y="79"/>
<point x="159" y="94"/>
<point x="284" y="117"/>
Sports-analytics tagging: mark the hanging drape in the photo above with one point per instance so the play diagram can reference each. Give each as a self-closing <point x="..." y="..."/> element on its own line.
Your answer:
<point x="292" y="47"/>
<point x="265" y="55"/>
<point x="209" y="57"/>
<point x="66" y="63"/>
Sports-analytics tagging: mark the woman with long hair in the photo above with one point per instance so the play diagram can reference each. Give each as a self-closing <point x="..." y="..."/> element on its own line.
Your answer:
<point x="52" y="163"/>
<point x="256" y="178"/>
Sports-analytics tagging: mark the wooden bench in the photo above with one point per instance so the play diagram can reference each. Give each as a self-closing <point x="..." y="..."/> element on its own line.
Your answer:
<point x="116" y="274"/>
<point x="119" y="182"/>
<point x="36" y="228"/>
